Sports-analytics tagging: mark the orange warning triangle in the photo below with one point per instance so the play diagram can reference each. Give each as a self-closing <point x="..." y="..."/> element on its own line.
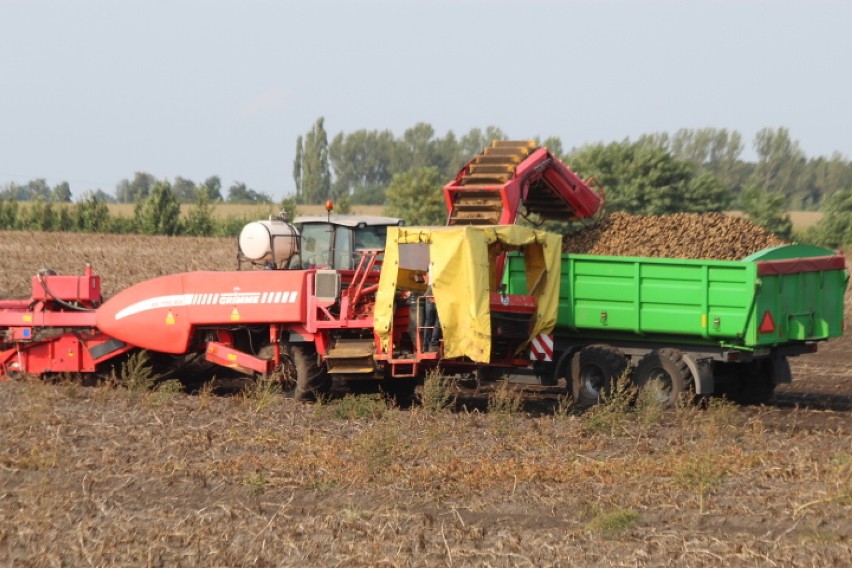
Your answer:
<point x="235" y="315"/>
<point x="170" y="318"/>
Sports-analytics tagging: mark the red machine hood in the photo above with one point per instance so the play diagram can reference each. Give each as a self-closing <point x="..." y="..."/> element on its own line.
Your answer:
<point x="161" y="314"/>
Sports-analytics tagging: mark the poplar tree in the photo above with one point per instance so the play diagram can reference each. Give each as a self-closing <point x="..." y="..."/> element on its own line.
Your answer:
<point x="315" y="183"/>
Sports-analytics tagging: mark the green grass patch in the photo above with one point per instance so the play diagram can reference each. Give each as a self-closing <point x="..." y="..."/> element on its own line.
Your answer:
<point x="613" y="523"/>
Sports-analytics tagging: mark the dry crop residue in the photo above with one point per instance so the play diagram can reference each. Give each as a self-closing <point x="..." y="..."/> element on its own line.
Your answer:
<point x="120" y="260"/>
<point x="710" y="236"/>
<point x="105" y="476"/>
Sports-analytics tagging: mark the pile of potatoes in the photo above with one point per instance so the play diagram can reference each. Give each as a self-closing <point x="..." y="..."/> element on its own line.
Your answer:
<point x="711" y="236"/>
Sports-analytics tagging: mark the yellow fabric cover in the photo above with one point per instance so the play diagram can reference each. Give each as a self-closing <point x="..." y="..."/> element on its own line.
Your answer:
<point x="459" y="265"/>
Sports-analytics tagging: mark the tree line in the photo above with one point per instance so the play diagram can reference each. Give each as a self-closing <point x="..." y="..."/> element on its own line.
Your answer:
<point x="159" y="213"/>
<point x="131" y="190"/>
<point x="691" y="170"/>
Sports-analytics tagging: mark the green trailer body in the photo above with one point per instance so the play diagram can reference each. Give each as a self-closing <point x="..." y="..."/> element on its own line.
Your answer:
<point x="775" y="297"/>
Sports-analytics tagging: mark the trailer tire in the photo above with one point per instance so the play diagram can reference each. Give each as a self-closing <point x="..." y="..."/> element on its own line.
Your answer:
<point x="312" y="380"/>
<point x="594" y="368"/>
<point x="668" y="368"/>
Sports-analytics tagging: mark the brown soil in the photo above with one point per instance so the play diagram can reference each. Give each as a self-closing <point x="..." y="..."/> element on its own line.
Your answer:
<point x="120" y="260"/>
<point x="109" y="476"/>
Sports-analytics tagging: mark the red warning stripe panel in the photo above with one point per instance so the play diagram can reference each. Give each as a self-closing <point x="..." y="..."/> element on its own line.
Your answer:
<point x="541" y="347"/>
<point x="796" y="265"/>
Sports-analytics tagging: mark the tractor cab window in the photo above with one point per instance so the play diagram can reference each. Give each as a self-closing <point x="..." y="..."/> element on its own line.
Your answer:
<point x="316" y="245"/>
<point x="337" y="246"/>
<point x="342" y="248"/>
<point x="370" y="237"/>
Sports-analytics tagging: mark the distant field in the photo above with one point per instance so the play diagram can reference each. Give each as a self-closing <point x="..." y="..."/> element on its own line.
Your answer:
<point x="248" y="211"/>
<point x="804" y="219"/>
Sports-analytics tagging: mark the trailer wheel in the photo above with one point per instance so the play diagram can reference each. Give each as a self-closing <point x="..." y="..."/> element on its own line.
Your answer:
<point x="312" y="380"/>
<point x="593" y="370"/>
<point x="667" y="367"/>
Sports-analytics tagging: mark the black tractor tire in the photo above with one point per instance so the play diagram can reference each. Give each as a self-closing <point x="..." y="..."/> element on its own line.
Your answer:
<point x="594" y="369"/>
<point x="668" y="368"/>
<point x="312" y="380"/>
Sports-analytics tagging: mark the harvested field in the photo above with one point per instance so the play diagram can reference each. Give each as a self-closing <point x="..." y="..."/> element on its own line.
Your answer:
<point x="120" y="260"/>
<point x="506" y="477"/>
<point x="714" y="236"/>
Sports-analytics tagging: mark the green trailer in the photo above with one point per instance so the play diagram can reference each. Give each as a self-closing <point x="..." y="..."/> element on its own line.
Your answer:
<point x="712" y="326"/>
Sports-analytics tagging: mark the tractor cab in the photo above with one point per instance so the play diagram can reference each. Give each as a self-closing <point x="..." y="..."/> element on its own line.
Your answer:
<point x="339" y="241"/>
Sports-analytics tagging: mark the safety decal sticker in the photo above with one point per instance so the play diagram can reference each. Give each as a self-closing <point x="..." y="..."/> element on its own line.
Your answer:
<point x="210" y="299"/>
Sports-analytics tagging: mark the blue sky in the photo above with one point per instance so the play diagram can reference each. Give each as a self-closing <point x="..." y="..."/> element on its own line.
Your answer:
<point x="94" y="90"/>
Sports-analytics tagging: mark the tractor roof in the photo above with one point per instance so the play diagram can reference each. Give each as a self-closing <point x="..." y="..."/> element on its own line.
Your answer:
<point x="349" y="220"/>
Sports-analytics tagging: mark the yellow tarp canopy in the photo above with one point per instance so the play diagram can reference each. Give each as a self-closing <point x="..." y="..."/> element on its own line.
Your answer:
<point x="461" y="265"/>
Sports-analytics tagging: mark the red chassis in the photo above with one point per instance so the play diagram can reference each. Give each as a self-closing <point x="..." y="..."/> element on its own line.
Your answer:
<point x="54" y="331"/>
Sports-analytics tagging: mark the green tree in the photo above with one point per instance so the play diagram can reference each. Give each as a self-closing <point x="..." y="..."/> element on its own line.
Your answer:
<point x="159" y="213"/>
<point x="474" y="142"/>
<point x="61" y="193"/>
<point x="239" y="193"/>
<point x="314" y="183"/>
<point x="782" y="168"/>
<point x="184" y="190"/>
<point x="417" y="197"/>
<point x="128" y="191"/>
<point x="199" y="219"/>
<point x="297" y="168"/>
<point x="10" y="192"/>
<point x="711" y="149"/>
<point x="372" y="195"/>
<point x="640" y="177"/>
<point x="288" y="206"/>
<point x="767" y="210"/>
<point x="445" y="153"/>
<point x="101" y="194"/>
<point x="40" y="215"/>
<point x="419" y="148"/>
<point x="415" y="149"/>
<point x="829" y="175"/>
<point x="703" y="193"/>
<point x="213" y="185"/>
<point x="835" y="227"/>
<point x="361" y="163"/>
<point x="65" y="220"/>
<point x="92" y="214"/>
<point x="343" y="204"/>
<point x="553" y="145"/>
<point x="9" y="214"/>
<point x="38" y="188"/>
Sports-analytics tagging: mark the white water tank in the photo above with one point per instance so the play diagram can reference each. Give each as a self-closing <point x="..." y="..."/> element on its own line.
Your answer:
<point x="269" y="241"/>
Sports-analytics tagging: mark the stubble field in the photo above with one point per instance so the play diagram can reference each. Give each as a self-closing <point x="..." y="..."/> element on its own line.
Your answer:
<point x="504" y="477"/>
